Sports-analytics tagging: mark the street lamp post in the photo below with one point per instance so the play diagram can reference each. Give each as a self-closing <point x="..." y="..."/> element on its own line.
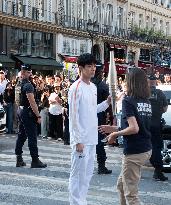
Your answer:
<point x="93" y="29"/>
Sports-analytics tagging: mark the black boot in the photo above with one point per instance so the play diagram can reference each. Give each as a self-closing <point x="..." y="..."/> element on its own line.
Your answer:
<point x="102" y="169"/>
<point x="159" y="176"/>
<point x="20" y="162"/>
<point x="36" y="163"/>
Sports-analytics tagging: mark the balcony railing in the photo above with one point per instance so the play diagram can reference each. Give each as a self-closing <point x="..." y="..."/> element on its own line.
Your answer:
<point x="71" y="22"/>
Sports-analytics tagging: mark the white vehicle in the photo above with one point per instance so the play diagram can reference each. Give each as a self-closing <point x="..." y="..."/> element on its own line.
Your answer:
<point x="2" y="119"/>
<point x="166" y="132"/>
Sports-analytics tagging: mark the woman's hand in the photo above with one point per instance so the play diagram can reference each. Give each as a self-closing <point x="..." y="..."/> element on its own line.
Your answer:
<point x="107" y="129"/>
<point x="111" y="138"/>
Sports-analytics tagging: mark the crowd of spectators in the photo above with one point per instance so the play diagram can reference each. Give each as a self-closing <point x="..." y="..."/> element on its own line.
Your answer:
<point x="51" y="96"/>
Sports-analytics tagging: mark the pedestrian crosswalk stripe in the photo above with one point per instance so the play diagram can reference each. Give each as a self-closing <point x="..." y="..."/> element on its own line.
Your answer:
<point x="51" y="194"/>
<point x="58" y="155"/>
<point x="49" y="186"/>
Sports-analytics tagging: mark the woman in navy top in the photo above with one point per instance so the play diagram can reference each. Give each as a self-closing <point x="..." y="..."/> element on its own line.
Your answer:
<point x="135" y="129"/>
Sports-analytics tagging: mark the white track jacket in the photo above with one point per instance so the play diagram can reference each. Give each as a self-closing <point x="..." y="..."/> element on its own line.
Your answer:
<point x="83" y="109"/>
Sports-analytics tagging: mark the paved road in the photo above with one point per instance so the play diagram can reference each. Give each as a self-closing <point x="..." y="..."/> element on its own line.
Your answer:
<point x="21" y="186"/>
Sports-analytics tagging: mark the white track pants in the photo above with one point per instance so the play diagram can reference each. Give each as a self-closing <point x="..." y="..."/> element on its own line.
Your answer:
<point x="82" y="166"/>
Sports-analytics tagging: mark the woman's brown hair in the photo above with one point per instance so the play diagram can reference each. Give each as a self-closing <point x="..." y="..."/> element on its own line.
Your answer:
<point x="137" y="83"/>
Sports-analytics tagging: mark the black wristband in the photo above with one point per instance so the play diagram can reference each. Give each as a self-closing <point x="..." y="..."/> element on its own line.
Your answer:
<point x="38" y="117"/>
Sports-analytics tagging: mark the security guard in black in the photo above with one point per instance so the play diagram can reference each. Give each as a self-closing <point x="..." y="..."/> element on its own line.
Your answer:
<point x="159" y="106"/>
<point x="28" y="116"/>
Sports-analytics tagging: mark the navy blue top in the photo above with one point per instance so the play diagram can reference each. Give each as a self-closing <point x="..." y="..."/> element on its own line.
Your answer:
<point x="141" y="110"/>
<point x="26" y="87"/>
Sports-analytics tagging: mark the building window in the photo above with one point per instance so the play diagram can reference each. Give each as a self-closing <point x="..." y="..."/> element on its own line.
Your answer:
<point x="83" y="46"/>
<point x="120" y="53"/>
<point x="161" y="25"/>
<point x="27" y="42"/>
<point x="84" y="9"/>
<point x="99" y="14"/>
<point x="20" y="41"/>
<point x="67" y="7"/>
<point x="144" y="55"/>
<point x="140" y="20"/>
<point x="167" y="28"/>
<point x="120" y="17"/>
<point x="154" y="23"/>
<point x="110" y="14"/>
<point x="47" y="44"/>
<point x="169" y="4"/>
<point x="42" y="6"/>
<point x="74" y="47"/>
<point x="147" y="22"/>
<point x="132" y="18"/>
<point x="36" y="43"/>
<point x="35" y="13"/>
<point x="14" y="38"/>
<point x="26" y="46"/>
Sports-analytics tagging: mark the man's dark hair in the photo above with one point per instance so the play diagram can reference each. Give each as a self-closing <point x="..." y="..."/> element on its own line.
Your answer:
<point x="137" y="84"/>
<point x="86" y="59"/>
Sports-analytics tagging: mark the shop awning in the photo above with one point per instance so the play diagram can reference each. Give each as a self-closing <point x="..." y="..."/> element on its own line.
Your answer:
<point x="5" y="60"/>
<point x="71" y="59"/>
<point x="145" y="64"/>
<point x="39" y="61"/>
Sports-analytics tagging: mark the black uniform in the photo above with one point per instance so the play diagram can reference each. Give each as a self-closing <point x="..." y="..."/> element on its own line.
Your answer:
<point x="102" y="94"/>
<point x="158" y="102"/>
<point x="27" y="122"/>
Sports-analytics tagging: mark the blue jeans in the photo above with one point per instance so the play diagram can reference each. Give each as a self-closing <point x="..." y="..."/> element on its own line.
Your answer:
<point x="9" y="115"/>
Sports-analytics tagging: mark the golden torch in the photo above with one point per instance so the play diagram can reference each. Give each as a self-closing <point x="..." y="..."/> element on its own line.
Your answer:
<point x="112" y="80"/>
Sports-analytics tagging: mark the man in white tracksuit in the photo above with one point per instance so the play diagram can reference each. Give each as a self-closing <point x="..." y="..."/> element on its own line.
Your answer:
<point x="83" y="126"/>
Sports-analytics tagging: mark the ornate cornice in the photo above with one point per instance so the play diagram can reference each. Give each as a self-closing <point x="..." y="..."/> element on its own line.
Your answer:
<point x="128" y="42"/>
<point x="151" y="10"/>
<point x="27" y="23"/>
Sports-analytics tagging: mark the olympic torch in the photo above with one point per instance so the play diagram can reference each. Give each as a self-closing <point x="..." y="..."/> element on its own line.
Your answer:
<point x="112" y="79"/>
